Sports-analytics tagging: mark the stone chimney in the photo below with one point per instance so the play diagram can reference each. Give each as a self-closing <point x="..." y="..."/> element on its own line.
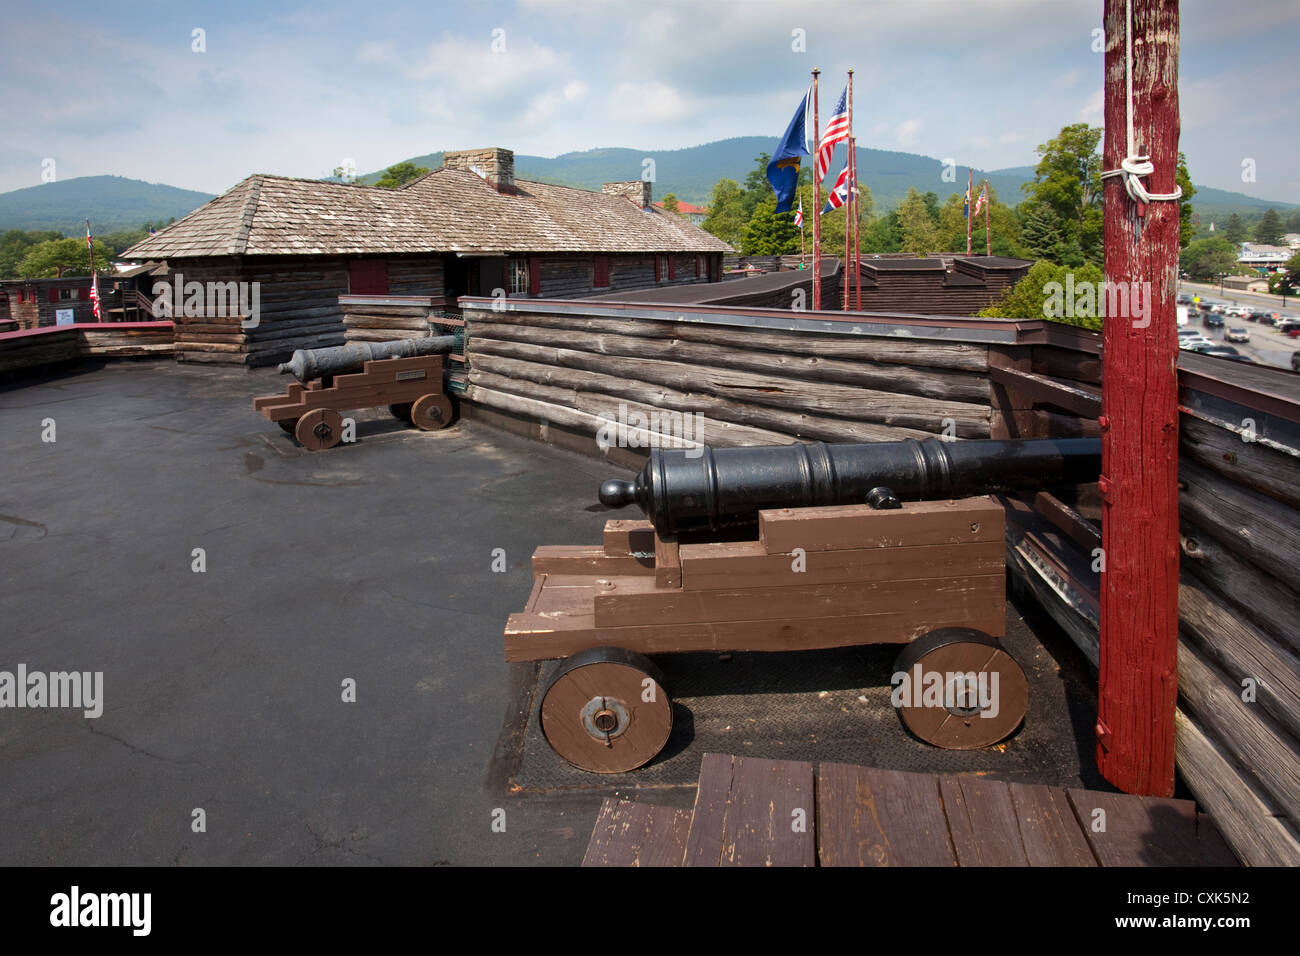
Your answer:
<point x="638" y="190"/>
<point x="495" y="165"/>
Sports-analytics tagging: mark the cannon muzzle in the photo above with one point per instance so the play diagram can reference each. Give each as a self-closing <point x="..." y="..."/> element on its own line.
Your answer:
<point x="308" y="364"/>
<point x="708" y="489"/>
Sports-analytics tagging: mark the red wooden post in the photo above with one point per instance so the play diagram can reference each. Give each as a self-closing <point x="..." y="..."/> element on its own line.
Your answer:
<point x="1139" y="484"/>
<point x="817" y="205"/>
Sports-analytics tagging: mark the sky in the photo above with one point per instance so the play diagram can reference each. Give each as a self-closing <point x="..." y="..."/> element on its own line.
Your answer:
<point x="298" y="89"/>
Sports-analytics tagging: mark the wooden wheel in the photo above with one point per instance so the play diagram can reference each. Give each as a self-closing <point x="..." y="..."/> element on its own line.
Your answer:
<point x="431" y="412"/>
<point x="401" y="412"/>
<point x="607" y="711"/>
<point x="288" y="424"/>
<point x="320" y="428"/>
<point x="957" y="688"/>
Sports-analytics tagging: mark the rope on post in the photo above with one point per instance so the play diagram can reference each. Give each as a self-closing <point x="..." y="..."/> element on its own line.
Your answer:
<point x="1134" y="167"/>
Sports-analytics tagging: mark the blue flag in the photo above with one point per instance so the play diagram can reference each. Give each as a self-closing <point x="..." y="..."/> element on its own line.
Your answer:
<point x="783" y="170"/>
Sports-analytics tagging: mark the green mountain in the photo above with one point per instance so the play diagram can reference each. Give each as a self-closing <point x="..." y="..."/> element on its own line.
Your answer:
<point x="692" y="173"/>
<point x="110" y="203"/>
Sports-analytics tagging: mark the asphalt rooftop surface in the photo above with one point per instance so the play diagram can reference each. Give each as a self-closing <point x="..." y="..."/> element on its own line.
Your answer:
<point x="370" y="562"/>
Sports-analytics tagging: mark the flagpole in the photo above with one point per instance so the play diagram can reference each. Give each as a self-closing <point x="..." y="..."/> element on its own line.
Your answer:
<point x="848" y="207"/>
<point x="970" y="199"/>
<point x="817" y="205"/>
<point x="988" y="236"/>
<point x="857" y="224"/>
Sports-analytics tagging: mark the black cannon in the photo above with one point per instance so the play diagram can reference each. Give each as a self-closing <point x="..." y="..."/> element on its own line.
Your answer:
<point x="709" y="489"/>
<point x="307" y="364"/>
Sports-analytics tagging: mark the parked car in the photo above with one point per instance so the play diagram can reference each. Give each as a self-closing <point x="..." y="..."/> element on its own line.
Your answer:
<point x="1288" y="326"/>
<point x="1212" y="321"/>
<point x="1259" y="315"/>
<point x="1221" y="351"/>
<point x="1295" y="361"/>
<point x="1184" y="298"/>
<point x="1190" y="342"/>
<point x="1236" y="335"/>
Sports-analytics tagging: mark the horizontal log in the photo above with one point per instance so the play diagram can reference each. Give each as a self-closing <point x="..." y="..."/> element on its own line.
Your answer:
<point x="813" y="398"/>
<point x="1250" y="595"/>
<point x="920" y="353"/>
<point x="1249" y="822"/>
<point x="1242" y="651"/>
<point x="1271" y="754"/>
<point x="786" y="424"/>
<point x="1251" y="464"/>
<point x="1261" y="529"/>
<point x="934" y="383"/>
<point x="614" y="410"/>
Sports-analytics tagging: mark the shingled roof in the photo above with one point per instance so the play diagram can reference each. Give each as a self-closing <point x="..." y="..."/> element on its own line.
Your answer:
<point x="448" y="210"/>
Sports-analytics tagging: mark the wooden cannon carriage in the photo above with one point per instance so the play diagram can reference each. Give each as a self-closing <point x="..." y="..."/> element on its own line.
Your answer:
<point x="716" y="570"/>
<point x="406" y="375"/>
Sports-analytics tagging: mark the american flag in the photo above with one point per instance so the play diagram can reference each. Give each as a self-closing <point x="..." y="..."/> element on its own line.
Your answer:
<point x="798" y="216"/>
<point x="94" y="280"/>
<point x="840" y="194"/>
<point x="837" y="131"/>
<point x="982" y="198"/>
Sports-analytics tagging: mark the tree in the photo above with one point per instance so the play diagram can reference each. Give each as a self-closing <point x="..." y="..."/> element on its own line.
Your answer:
<point x="16" y="243"/>
<point x="1205" y="259"/>
<point x="64" y="257"/>
<point x="770" y="233"/>
<point x="1185" y="228"/>
<point x="756" y="188"/>
<point x="883" y="235"/>
<point x="727" y="219"/>
<point x="1269" y="230"/>
<point x="400" y="175"/>
<point x="1065" y="294"/>
<point x="1293" y="221"/>
<point x="670" y="202"/>
<point x="920" y="231"/>
<point x="1288" y="282"/>
<point x="1003" y="223"/>
<point x="1235" y="230"/>
<point x="1067" y="184"/>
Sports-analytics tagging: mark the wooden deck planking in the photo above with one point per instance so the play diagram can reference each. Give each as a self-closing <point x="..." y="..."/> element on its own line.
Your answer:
<point x="637" y="834"/>
<point x="753" y="812"/>
<point x="868" y="817"/>
<point x="745" y="816"/>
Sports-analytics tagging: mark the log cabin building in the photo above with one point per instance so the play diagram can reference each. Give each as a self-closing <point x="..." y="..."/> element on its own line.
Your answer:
<point x="468" y="228"/>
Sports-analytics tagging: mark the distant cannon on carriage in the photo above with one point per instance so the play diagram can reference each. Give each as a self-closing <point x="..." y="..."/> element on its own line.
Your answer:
<point x="407" y="375"/>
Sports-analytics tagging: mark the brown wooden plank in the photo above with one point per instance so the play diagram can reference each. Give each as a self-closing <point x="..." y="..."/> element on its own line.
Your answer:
<point x="868" y="817"/>
<point x="538" y="582"/>
<point x="530" y="637"/>
<point x="625" y="536"/>
<point x="593" y="560"/>
<point x="1141" y="831"/>
<point x="637" y="834"/>
<point x="769" y="818"/>
<point x="715" y="566"/>
<point x="982" y="822"/>
<point x="709" y="818"/>
<point x="1049" y="830"/>
<point x="631" y="600"/>
<point x="847" y="527"/>
<point x="668" y="564"/>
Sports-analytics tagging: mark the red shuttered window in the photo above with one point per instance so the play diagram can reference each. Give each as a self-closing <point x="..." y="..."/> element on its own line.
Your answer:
<point x="600" y="272"/>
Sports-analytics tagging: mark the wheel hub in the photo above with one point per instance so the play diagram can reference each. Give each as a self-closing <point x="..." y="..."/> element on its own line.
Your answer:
<point x="605" y="718"/>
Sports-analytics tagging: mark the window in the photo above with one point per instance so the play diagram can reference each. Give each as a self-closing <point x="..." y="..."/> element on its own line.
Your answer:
<point x="519" y="276"/>
<point x="368" y="277"/>
<point x="600" y="277"/>
<point x="65" y="294"/>
<point x="672" y="267"/>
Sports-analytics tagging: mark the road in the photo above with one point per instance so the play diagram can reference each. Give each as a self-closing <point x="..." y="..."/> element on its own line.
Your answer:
<point x="1266" y="346"/>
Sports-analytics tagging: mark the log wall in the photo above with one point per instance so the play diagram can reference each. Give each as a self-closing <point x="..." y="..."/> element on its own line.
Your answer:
<point x="299" y="305"/>
<point x="562" y="372"/>
<point x="1238" y="722"/>
<point x="28" y="349"/>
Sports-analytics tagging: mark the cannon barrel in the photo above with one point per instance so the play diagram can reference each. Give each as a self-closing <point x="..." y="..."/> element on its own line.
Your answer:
<point x="709" y="488"/>
<point x="313" y="363"/>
